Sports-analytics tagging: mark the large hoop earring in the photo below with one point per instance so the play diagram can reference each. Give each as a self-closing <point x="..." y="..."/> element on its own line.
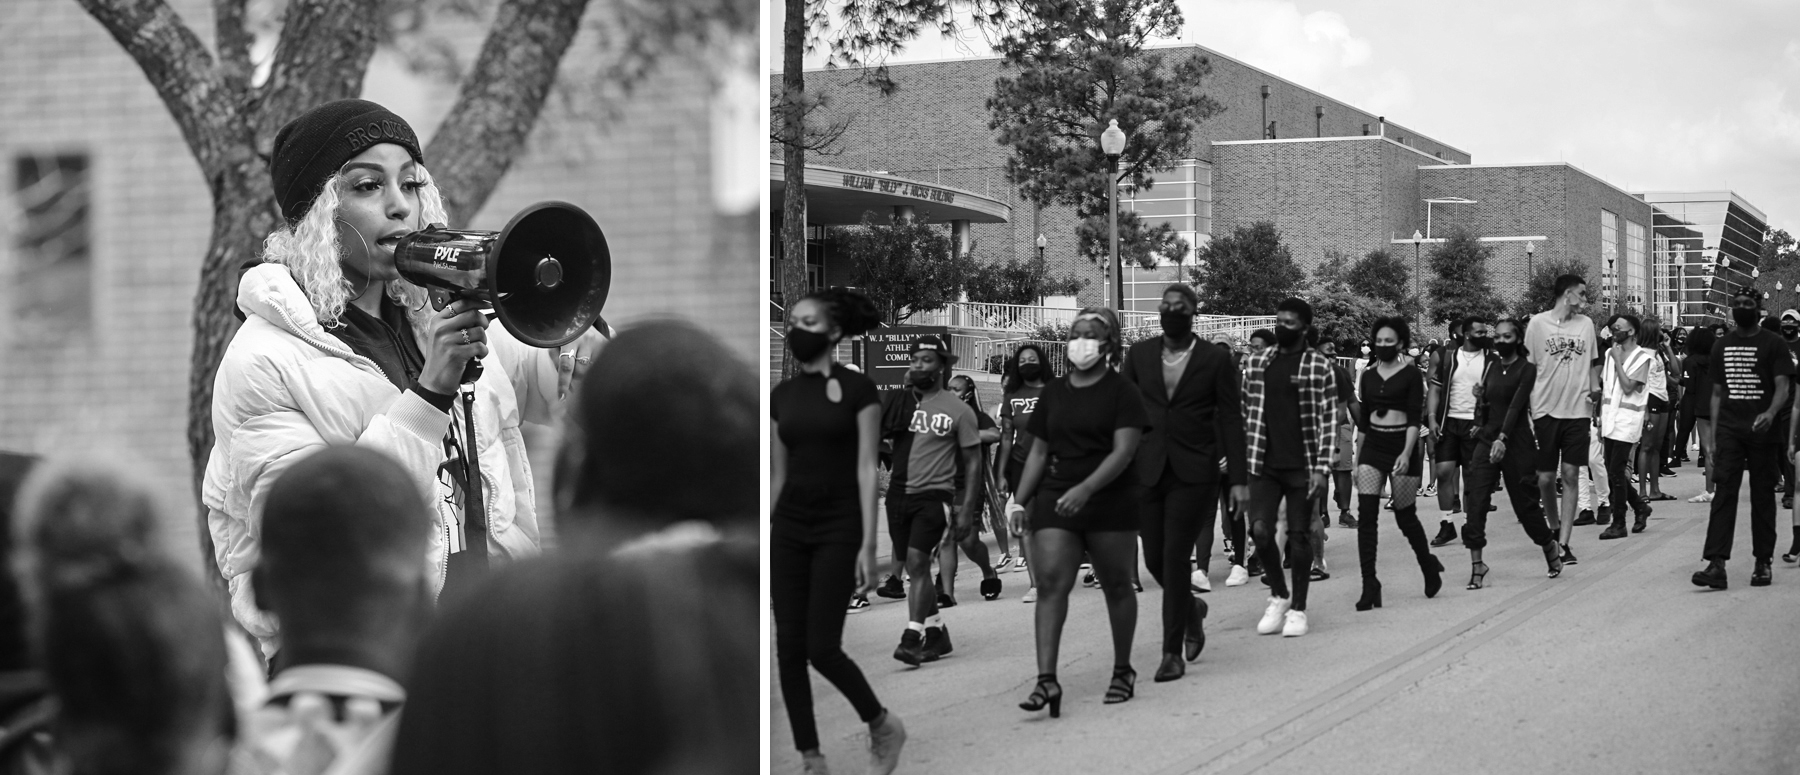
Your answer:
<point x="367" y="250"/>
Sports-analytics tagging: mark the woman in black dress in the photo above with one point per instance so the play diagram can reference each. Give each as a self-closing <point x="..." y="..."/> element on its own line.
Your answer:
<point x="823" y="435"/>
<point x="1388" y="452"/>
<point x="1082" y="496"/>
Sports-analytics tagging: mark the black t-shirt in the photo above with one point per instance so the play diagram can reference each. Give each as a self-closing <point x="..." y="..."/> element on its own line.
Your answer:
<point x="1078" y="424"/>
<point x="1744" y="369"/>
<point x="1405" y="391"/>
<point x="1018" y="407"/>
<point x="1281" y="413"/>
<point x="820" y="434"/>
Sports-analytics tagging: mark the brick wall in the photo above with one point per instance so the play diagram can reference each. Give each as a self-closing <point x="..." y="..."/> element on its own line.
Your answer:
<point x="121" y="388"/>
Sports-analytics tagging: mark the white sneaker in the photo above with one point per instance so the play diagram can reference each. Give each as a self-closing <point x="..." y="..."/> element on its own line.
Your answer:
<point x="1005" y="561"/>
<point x="1030" y="596"/>
<point x="1705" y="497"/>
<point x="1295" y="625"/>
<point x="1019" y="564"/>
<point x="1200" y="582"/>
<point x="1272" y="617"/>
<point x="1239" y="576"/>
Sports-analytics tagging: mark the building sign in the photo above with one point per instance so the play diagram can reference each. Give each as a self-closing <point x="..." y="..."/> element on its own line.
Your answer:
<point x="901" y="187"/>
<point x="885" y="353"/>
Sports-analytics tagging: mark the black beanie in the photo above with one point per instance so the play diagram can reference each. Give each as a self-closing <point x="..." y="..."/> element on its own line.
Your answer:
<point x="311" y="148"/>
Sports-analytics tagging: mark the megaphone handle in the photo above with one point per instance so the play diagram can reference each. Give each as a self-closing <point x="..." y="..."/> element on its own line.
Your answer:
<point x="471" y="371"/>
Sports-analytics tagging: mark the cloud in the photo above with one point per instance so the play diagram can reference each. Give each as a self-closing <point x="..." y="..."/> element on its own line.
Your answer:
<point x="1317" y="49"/>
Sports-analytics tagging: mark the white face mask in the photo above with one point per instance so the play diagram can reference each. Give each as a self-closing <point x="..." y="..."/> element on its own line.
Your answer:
<point x="1083" y="353"/>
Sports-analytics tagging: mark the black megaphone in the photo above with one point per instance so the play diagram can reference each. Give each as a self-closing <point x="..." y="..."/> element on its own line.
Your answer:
<point x="546" y="275"/>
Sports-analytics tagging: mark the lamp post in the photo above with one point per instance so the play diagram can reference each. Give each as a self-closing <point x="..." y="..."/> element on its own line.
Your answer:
<point x="1041" y="242"/>
<point x="1112" y="143"/>
<point x="1612" y="292"/>
<point x="1530" y="270"/>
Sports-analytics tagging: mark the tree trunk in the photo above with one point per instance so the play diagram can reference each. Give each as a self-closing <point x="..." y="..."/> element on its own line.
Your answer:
<point x="322" y="55"/>
<point x="793" y="160"/>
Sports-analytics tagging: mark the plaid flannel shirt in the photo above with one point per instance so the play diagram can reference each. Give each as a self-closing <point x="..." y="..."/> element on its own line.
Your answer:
<point x="1318" y="405"/>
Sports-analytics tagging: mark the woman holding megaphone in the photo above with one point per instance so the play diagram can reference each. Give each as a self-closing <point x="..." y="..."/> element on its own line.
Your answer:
<point x="337" y="348"/>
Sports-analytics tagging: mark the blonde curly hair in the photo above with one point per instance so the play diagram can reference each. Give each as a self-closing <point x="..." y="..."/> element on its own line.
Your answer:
<point x="313" y="255"/>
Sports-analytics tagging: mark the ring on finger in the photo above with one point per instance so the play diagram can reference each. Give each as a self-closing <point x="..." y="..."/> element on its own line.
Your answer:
<point x="465" y="336"/>
<point x="582" y="361"/>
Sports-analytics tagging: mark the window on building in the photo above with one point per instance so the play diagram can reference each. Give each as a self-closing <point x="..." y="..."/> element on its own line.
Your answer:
<point x="1182" y="199"/>
<point x="1609" y="253"/>
<point x="1637" y="289"/>
<point x="52" y="280"/>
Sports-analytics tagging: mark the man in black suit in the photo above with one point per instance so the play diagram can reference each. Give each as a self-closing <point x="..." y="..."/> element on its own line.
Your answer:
<point x="1191" y="391"/>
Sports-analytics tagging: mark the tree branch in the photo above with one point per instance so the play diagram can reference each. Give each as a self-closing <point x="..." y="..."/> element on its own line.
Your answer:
<point x="233" y="43"/>
<point x="500" y="100"/>
<point x="178" y="66"/>
<point x="324" y="50"/>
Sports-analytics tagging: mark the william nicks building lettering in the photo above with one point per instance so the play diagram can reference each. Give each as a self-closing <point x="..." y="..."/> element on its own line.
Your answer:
<point x="900" y="187"/>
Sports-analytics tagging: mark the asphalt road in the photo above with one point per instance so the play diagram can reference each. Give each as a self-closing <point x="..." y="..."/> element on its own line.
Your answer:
<point x="1621" y="665"/>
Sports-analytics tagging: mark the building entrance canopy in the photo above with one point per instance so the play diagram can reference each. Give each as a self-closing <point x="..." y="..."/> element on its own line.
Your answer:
<point x="839" y="197"/>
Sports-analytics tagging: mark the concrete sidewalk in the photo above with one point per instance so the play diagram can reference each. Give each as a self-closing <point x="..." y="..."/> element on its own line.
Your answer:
<point x="1621" y="665"/>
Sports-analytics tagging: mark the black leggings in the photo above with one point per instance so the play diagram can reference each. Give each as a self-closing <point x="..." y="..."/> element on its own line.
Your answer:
<point x="811" y="584"/>
<point x="1174" y="517"/>
<point x="1521" y="486"/>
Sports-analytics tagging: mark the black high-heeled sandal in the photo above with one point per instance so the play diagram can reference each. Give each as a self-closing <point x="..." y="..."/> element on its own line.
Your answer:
<point x="1553" y="559"/>
<point x="1124" y="685"/>
<point x="1476" y="577"/>
<point x="1047" y="692"/>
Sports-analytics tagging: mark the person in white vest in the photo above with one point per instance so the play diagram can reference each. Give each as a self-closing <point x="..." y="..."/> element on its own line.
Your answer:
<point x="1626" y="398"/>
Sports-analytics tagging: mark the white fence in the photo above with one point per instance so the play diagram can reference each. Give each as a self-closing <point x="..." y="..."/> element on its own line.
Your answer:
<point x="1026" y="319"/>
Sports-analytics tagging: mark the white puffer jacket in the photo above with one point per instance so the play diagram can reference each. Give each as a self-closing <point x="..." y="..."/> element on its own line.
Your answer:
<point x="286" y="388"/>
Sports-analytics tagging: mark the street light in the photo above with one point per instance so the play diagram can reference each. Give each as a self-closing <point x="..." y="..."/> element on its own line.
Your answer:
<point x="1530" y="271"/>
<point x="1112" y="143"/>
<point x="1041" y="242"/>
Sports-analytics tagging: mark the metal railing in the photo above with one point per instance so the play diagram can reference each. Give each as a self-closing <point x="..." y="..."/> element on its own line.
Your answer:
<point x="1025" y="319"/>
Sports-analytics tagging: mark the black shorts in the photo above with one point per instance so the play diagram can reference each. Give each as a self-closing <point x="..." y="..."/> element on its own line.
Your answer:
<point x="1456" y="443"/>
<point x="1561" y="438"/>
<point x="1015" y="470"/>
<point x="918" y="520"/>
<point x="1381" y="447"/>
<point x="1114" y="509"/>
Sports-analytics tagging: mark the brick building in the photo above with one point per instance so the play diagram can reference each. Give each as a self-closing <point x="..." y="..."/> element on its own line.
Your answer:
<point x="1330" y="176"/>
<point x="104" y="219"/>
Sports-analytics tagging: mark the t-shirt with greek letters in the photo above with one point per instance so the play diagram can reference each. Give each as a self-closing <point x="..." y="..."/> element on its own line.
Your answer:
<point x="1744" y="369"/>
<point x="941" y="425"/>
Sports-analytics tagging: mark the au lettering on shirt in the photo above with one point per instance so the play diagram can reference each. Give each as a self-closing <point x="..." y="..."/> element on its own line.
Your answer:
<point x="937" y="423"/>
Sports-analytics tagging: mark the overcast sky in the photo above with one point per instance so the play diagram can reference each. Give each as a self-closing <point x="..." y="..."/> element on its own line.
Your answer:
<point x="1649" y="95"/>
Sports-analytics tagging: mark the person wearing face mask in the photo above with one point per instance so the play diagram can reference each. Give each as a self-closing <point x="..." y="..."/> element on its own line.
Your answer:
<point x="1389" y="453"/>
<point x="1565" y="350"/>
<point x="963" y="387"/>
<point x="1751" y="372"/>
<point x="1627" y="398"/>
<point x="1505" y="452"/>
<point x="1450" y="412"/>
<point x="1290" y="409"/>
<point x="1190" y="391"/>
<point x="1651" y="462"/>
<point x="824" y="429"/>
<point x="1081" y="495"/>
<point x="930" y="428"/>
<point x="1026" y="375"/>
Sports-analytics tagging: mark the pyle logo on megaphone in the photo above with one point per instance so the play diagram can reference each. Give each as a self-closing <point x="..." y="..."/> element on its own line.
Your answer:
<point x="546" y="275"/>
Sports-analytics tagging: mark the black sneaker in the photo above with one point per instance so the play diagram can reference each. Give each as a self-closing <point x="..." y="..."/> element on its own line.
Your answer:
<point x="1568" y="557"/>
<point x="1586" y="517"/>
<point x="1255" y="567"/>
<point x="1713" y="576"/>
<point x="946" y="601"/>
<point x="937" y="643"/>
<point x="1456" y="505"/>
<point x="1345" y="520"/>
<point x="858" y="603"/>
<point x="1793" y="554"/>
<point x="1761" y="577"/>
<point x="891" y="589"/>
<point x="1614" y="530"/>
<point x="1446" y="533"/>
<point x="1787" y="502"/>
<point x="990" y="588"/>
<point x="911" y="649"/>
<point x="1090" y="580"/>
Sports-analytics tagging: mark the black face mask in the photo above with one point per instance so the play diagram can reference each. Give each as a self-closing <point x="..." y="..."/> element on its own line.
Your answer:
<point x="1286" y="337"/>
<point x="1176" y="324"/>
<point x="807" y="345"/>
<point x="1745" y="318"/>
<point x="1506" y="349"/>
<point x="1386" y="353"/>
<point x="925" y="381"/>
<point x="1790" y="331"/>
<point x="1483" y="342"/>
<point x="1030" y="371"/>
